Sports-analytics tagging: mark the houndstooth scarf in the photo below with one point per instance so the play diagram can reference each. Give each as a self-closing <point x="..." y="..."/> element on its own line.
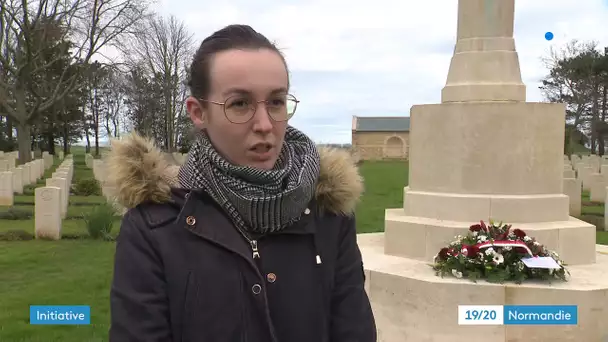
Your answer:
<point x="256" y="200"/>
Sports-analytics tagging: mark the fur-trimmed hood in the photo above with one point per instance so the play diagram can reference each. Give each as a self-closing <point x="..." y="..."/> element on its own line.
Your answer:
<point x="138" y="171"/>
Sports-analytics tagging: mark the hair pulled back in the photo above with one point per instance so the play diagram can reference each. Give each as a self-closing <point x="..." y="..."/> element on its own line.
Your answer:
<point x="242" y="37"/>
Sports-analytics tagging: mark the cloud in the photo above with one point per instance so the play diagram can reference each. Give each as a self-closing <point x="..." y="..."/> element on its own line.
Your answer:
<point x="380" y="58"/>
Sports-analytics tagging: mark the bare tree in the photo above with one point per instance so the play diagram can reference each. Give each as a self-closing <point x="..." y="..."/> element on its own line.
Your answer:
<point x="164" y="48"/>
<point x="564" y="85"/>
<point x="30" y="28"/>
<point x="113" y="99"/>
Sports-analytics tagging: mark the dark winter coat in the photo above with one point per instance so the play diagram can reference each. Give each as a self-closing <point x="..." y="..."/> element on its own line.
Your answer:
<point x="184" y="273"/>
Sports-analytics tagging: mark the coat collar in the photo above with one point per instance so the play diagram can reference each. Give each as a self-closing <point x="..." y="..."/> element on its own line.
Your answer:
<point x="138" y="172"/>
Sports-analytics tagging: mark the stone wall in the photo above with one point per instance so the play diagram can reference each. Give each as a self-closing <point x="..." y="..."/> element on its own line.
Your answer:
<point x="381" y="145"/>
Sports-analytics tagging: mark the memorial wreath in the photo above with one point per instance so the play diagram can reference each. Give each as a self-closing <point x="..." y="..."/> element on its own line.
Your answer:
<point x="497" y="253"/>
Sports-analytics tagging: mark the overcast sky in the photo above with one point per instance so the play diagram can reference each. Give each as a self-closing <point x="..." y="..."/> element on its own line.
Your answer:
<point x="378" y="58"/>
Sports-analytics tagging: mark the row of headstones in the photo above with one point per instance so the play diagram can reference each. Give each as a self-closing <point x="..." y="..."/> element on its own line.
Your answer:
<point x="14" y="178"/>
<point x="98" y="167"/>
<point x="180" y="158"/>
<point x="589" y="173"/>
<point x="99" y="172"/>
<point x="51" y="201"/>
<point x="592" y="171"/>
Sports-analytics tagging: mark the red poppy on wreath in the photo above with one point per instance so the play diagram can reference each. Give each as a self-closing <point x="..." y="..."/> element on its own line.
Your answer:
<point x="443" y="253"/>
<point x="475" y="228"/>
<point x="519" y="233"/>
<point x="469" y="250"/>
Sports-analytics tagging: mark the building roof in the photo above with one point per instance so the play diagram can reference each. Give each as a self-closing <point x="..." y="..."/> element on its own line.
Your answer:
<point x="381" y="123"/>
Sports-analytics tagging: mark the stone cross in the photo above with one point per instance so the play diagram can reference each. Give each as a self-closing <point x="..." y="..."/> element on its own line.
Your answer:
<point x="485" y="64"/>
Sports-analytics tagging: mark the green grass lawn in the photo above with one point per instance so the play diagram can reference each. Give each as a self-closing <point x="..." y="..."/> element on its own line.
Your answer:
<point x="78" y="272"/>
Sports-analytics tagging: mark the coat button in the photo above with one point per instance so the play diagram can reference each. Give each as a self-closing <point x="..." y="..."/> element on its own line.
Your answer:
<point x="256" y="289"/>
<point x="271" y="277"/>
<point x="306" y="211"/>
<point x="190" y="220"/>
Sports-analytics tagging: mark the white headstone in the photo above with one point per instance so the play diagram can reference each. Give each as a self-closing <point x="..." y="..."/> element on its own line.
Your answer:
<point x="12" y="162"/>
<point x="18" y="180"/>
<point x="597" y="188"/>
<point x="3" y="165"/>
<point x="585" y="173"/>
<point x="40" y="168"/>
<point x="48" y="212"/>
<point x="98" y="170"/>
<point x="573" y="189"/>
<point x="569" y="174"/>
<point x="34" y="170"/>
<point x="25" y="174"/>
<point x="6" y="188"/>
<point x="48" y="160"/>
<point x="62" y="184"/>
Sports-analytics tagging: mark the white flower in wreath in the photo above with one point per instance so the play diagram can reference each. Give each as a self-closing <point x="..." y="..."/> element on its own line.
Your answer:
<point x="508" y="248"/>
<point x="536" y="243"/>
<point x="456" y="273"/>
<point x="490" y="251"/>
<point x="482" y="238"/>
<point x="475" y="234"/>
<point x="498" y="259"/>
<point x="527" y="238"/>
<point x="520" y="266"/>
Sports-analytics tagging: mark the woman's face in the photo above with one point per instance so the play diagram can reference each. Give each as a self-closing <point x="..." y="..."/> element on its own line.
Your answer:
<point x="243" y="78"/>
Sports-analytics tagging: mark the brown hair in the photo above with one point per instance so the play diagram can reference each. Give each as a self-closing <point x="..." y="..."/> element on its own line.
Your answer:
<point x="228" y="38"/>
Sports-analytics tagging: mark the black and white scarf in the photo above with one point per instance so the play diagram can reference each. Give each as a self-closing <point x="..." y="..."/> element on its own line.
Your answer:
<point x="256" y="200"/>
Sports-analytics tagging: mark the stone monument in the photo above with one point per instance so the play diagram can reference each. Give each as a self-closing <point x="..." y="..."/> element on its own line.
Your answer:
<point x="482" y="153"/>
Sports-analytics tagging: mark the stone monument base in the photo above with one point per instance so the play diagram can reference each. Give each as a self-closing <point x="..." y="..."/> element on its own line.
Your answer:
<point x="412" y="304"/>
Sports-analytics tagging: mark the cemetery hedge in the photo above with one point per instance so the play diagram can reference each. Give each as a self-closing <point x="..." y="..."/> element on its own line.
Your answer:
<point x="78" y="269"/>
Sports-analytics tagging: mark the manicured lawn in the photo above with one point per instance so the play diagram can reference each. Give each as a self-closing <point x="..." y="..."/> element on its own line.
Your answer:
<point x="73" y="271"/>
<point x="78" y="272"/>
<point x="68" y="272"/>
<point x="384" y="183"/>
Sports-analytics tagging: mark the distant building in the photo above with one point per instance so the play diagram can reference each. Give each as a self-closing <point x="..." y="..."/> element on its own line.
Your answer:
<point x="378" y="138"/>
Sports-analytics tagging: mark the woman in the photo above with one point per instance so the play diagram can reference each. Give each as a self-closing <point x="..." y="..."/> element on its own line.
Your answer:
<point x="253" y="238"/>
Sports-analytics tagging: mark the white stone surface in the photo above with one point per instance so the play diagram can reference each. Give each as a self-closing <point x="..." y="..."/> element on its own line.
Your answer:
<point x="6" y="188"/>
<point x="48" y="213"/>
<point x="18" y="180"/>
<point x="573" y="189"/>
<point x="62" y="184"/>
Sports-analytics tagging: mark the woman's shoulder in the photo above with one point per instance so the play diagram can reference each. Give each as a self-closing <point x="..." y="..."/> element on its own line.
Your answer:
<point x="340" y="185"/>
<point x="152" y="215"/>
<point x="139" y="174"/>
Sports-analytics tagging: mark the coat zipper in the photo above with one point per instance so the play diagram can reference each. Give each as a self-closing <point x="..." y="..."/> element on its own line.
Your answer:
<point x="256" y="255"/>
<point x="253" y="243"/>
<point x="254" y="247"/>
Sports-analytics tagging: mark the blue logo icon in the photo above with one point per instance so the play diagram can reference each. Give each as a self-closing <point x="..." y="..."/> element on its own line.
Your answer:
<point x="549" y="35"/>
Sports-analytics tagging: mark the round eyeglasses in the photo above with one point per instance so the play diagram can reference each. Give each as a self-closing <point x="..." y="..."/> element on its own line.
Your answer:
<point x="240" y="109"/>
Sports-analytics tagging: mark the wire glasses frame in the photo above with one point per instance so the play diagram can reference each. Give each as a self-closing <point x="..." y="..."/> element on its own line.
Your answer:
<point x="239" y="109"/>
